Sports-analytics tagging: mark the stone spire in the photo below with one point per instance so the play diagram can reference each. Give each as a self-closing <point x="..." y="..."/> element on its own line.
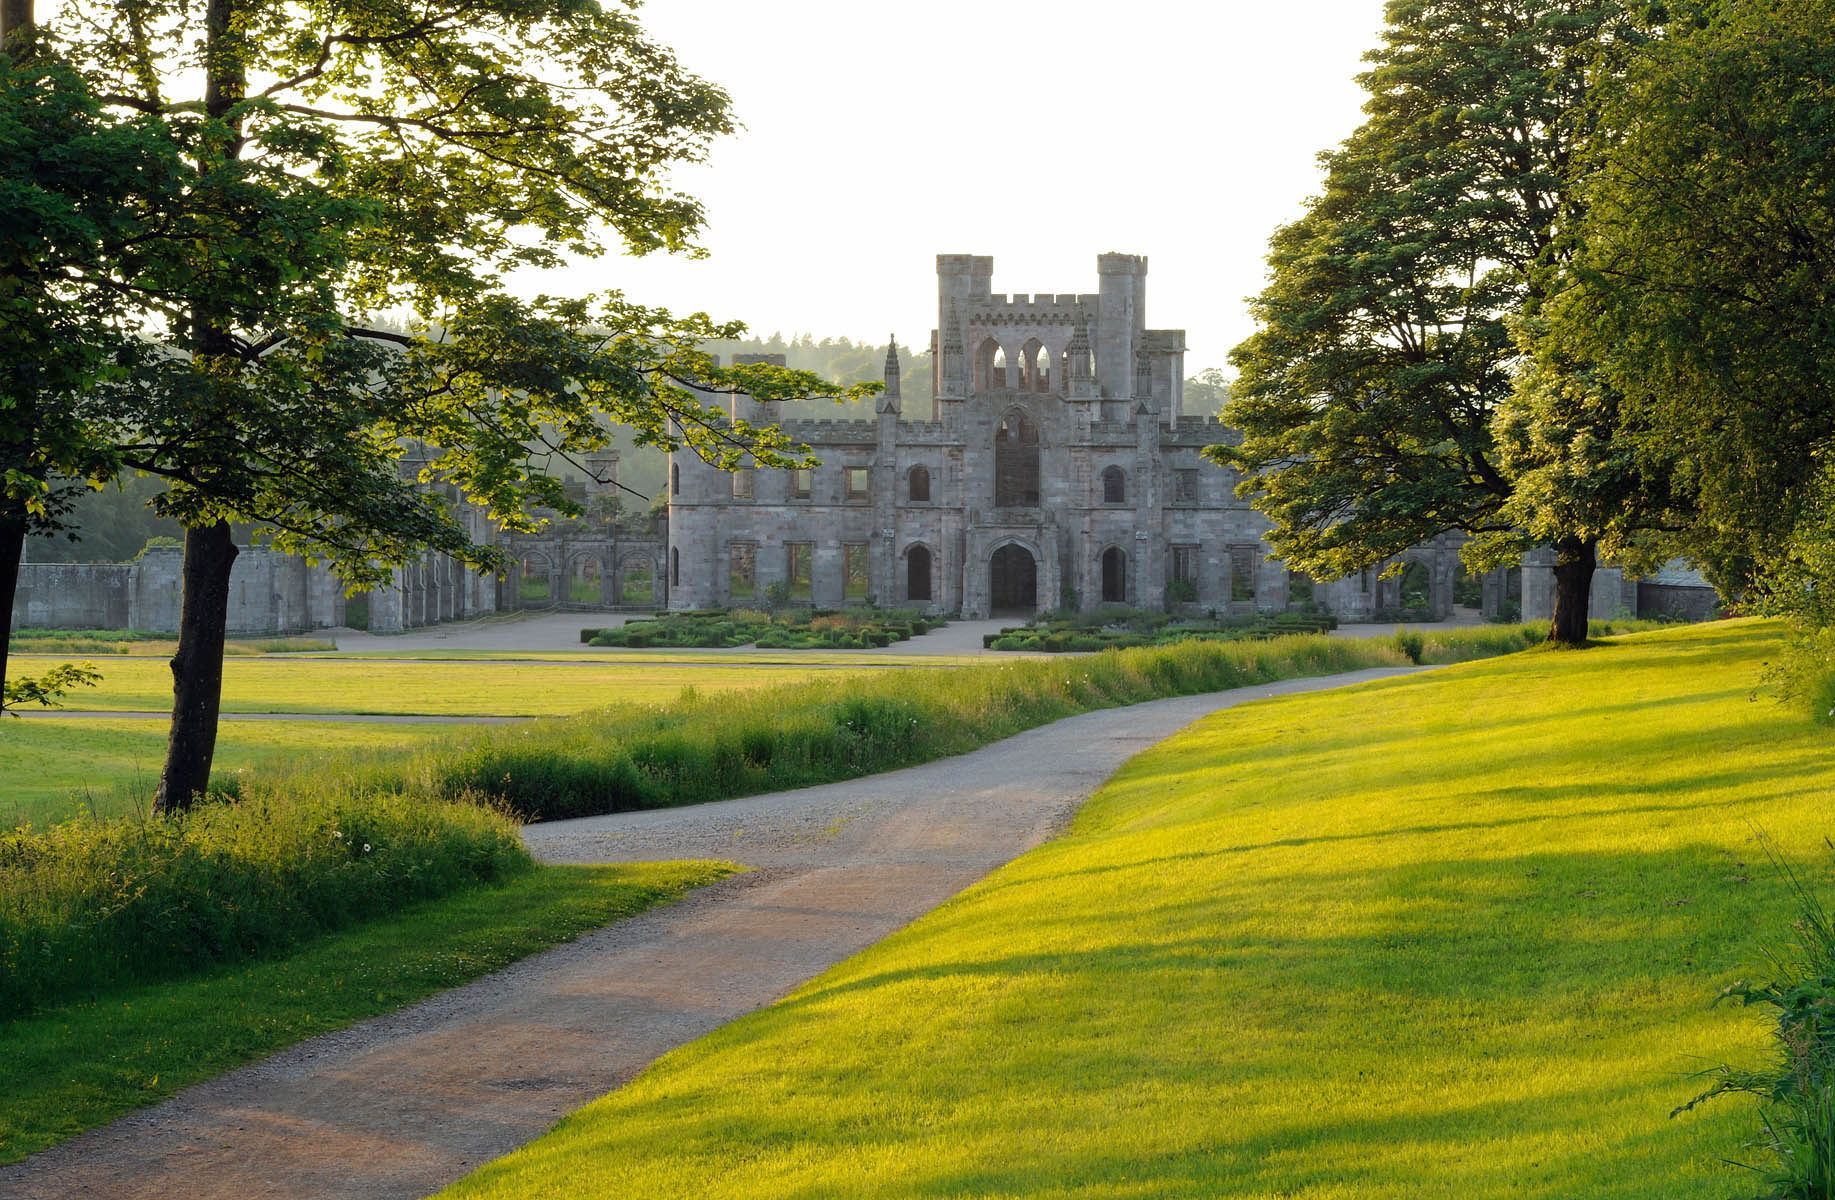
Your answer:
<point x="888" y="399"/>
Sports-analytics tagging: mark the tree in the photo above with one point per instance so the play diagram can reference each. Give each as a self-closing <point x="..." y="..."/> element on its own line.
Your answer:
<point x="1366" y="399"/>
<point x="77" y="187"/>
<point x="348" y="157"/>
<point x="1703" y="285"/>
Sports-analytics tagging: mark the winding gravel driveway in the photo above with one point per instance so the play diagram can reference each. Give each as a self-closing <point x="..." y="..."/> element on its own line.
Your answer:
<point x="404" y="1104"/>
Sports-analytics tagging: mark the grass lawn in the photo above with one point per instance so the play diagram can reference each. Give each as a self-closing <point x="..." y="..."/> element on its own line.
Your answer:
<point x="1449" y="935"/>
<point x="52" y="769"/>
<point x="74" y="1068"/>
<point x="432" y="688"/>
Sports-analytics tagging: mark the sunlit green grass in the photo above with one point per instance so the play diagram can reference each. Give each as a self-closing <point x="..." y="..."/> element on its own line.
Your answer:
<point x="1449" y="935"/>
<point x="73" y="1068"/>
<point x="431" y="688"/>
<point x="53" y="769"/>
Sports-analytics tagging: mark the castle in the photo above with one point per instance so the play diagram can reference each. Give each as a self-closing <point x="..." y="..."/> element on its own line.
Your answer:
<point x="1059" y="469"/>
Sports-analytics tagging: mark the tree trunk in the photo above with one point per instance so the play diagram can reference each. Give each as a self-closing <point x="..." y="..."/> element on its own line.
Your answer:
<point x="15" y="15"/>
<point x="12" y="549"/>
<point x="1575" y="561"/>
<point x="197" y="667"/>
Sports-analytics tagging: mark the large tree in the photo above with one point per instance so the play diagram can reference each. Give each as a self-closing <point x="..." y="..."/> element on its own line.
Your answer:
<point x="1367" y="397"/>
<point x="1703" y="283"/>
<point x="350" y="157"/>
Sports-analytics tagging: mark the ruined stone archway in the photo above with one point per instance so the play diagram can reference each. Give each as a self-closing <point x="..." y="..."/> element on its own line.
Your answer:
<point x="917" y="573"/>
<point x="1114" y="576"/>
<point x="1013" y="580"/>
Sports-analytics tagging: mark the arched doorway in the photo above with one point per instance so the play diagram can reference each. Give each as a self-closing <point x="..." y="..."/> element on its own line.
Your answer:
<point x="917" y="573"/>
<point x="1013" y="580"/>
<point x="1416" y="587"/>
<point x="637" y="580"/>
<point x="1114" y="576"/>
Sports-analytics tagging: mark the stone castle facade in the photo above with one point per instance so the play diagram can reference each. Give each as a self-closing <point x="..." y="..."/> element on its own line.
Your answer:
<point x="1059" y="468"/>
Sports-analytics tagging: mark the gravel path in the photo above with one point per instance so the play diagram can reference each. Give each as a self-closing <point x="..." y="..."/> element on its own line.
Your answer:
<point x="402" y="1105"/>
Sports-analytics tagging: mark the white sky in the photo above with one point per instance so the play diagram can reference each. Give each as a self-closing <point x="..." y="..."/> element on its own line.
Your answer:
<point x="879" y="135"/>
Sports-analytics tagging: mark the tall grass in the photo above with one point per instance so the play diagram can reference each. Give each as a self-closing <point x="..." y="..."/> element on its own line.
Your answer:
<point x="90" y="905"/>
<point x="708" y="747"/>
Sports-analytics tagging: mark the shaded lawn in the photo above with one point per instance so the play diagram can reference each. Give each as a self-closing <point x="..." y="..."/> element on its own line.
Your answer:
<point x="1454" y="934"/>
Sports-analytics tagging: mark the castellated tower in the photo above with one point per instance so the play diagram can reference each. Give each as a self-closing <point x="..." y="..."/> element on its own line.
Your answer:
<point x="1059" y="470"/>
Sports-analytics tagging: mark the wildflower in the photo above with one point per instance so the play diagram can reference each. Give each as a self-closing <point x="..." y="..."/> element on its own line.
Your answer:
<point x="366" y="847"/>
<point x="337" y="833"/>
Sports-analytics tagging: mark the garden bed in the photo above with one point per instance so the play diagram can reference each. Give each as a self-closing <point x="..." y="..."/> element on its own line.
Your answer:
<point x="792" y="629"/>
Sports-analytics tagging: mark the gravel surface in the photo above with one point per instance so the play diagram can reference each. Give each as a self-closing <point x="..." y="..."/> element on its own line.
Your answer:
<point x="402" y="1105"/>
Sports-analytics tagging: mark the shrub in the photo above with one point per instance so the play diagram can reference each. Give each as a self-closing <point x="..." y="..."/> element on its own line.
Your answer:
<point x="1797" y="1092"/>
<point x="93" y="904"/>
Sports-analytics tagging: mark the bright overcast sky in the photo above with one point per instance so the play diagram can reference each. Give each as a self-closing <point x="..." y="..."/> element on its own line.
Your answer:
<point x="879" y="135"/>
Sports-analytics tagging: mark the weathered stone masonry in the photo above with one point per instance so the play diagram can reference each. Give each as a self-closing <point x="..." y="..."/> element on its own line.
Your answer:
<point x="1058" y="469"/>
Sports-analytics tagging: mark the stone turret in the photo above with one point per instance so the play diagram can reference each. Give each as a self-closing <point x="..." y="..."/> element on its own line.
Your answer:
<point x="1122" y="319"/>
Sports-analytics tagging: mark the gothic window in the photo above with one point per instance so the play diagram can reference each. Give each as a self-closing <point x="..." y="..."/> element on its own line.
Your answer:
<point x="1035" y="366"/>
<point x="675" y="567"/>
<point x="742" y="484"/>
<point x="1185" y="486"/>
<point x="675" y="479"/>
<point x="1242" y="573"/>
<point x="1114" y="576"/>
<point x="1185" y="565"/>
<point x="743" y="569"/>
<point x="1114" y="486"/>
<point x="1016" y="462"/>
<point x="797" y="559"/>
<point x="920" y="485"/>
<point x="853" y="570"/>
<point x="990" y="366"/>
<point x="856" y="484"/>
<point x="800" y="478"/>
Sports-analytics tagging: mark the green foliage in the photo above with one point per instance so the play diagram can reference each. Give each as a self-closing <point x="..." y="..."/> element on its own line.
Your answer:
<point x="48" y="690"/>
<point x="1706" y="264"/>
<point x="1366" y="397"/>
<point x="93" y="904"/>
<point x="781" y="628"/>
<point x="1119" y="628"/>
<point x="1797" y="1091"/>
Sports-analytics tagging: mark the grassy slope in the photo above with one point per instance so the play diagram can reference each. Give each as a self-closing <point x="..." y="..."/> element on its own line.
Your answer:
<point x="1454" y="935"/>
<point x="326" y="685"/>
<point x="73" y="1068"/>
<point x="50" y="770"/>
